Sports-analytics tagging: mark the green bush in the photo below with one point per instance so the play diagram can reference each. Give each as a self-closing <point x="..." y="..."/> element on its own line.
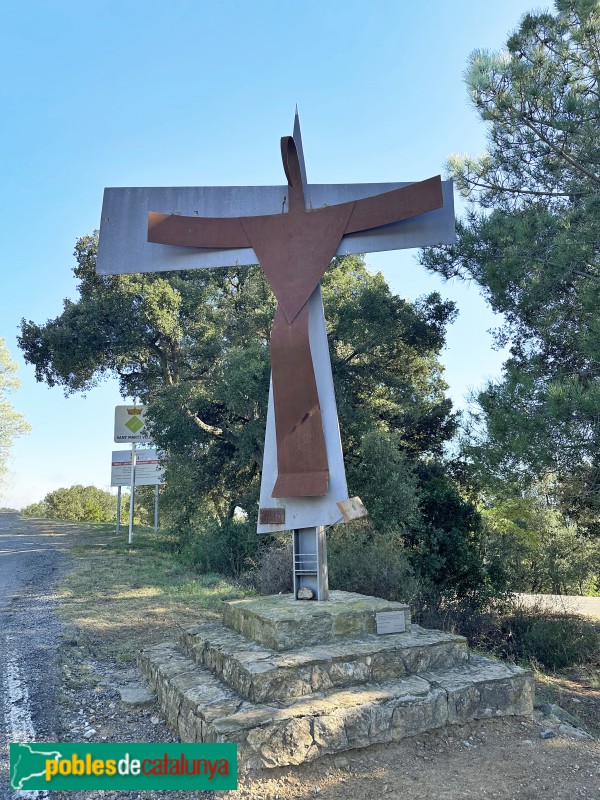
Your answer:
<point x="79" y="504"/>
<point x="536" y="550"/>
<point x="35" y="510"/>
<point x="553" y="640"/>
<point x="360" y="560"/>
<point x="525" y="634"/>
<point x="228" y="547"/>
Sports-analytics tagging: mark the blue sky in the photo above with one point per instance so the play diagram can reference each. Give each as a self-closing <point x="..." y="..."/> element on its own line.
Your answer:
<point x="102" y="94"/>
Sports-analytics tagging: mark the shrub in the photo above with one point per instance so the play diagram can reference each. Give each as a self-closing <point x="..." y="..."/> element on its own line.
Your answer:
<point x="228" y="547"/>
<point x="79" y="504"/>
<point x="554" y="640"/>
<point x="516" y="633"/>
<point x="273" y="572"/>
<point x="35" y="510"/>
<point x="373" y="564"/>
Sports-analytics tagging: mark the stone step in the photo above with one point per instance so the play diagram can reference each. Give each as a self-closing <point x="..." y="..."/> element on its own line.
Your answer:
<point x="281" y="622"/>
<point x="201" y="708"/>
<point x="261" y="674"/>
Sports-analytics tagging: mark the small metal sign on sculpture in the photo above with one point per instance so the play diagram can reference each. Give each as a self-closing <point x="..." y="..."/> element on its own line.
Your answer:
<point x="293" y="231"/>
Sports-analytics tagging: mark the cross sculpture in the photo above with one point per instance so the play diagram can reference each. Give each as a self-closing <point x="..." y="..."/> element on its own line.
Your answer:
<point x="293" y="232"/>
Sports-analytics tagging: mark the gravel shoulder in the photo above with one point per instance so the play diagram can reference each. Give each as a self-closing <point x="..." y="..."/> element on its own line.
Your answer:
<point x="31" y="560"/>
<point x="112" y="601"/>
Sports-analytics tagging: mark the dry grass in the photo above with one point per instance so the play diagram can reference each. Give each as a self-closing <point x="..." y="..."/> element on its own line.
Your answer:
<point x="119" y="599"/>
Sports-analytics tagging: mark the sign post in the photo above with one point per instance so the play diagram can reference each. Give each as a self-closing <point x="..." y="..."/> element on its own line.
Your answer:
<point x="133" y="468"/>
<point x="156" y="508"/>
<point x="130" y="427"/>
<point x="119" y="509"/>
<point x="132" y="493"/>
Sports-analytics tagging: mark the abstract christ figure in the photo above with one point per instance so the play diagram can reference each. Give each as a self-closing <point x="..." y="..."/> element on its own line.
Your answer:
<point x="294" y="249"/>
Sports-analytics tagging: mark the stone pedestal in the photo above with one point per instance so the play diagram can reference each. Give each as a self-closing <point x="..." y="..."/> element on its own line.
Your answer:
<point x="290" y="681"/>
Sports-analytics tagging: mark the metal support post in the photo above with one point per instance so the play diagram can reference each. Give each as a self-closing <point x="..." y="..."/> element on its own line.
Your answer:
<point x="132" y="493"/>
<point x="118" y="509"/>
<point x="156" y="508"/>
<point x="310" y="562"/>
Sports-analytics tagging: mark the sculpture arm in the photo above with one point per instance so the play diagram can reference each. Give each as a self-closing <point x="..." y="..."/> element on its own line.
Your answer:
<point x="196" y="231"/>
<point x="388" y="207"/>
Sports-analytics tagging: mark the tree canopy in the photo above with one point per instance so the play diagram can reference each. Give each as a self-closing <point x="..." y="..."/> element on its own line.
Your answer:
<point x="12" y="424"/>
<point x="530" y="240"/>
<point x="77" y="503"/>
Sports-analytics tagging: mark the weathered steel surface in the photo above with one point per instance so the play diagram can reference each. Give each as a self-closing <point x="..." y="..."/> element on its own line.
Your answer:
<point x="293" y="173"/>
<point x="301" y="455"/>
<point x="294" y="250"/>
<point x="271" y="516"/>
<point x="188" y="231"/>
<point x="221" y="226"/>
<point x="302" y="512"/>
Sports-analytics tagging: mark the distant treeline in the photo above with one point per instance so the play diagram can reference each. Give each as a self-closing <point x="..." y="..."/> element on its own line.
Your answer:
<point x="78" y="503"/>
<point x="90" y="504"/>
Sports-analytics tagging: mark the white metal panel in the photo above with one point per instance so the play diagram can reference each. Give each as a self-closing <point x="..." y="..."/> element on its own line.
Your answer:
<point x="120" y="471"/>
<point x="148" y="469"/>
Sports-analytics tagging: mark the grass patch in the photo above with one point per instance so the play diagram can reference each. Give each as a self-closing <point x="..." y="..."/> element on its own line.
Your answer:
<point x="120" y="598"/>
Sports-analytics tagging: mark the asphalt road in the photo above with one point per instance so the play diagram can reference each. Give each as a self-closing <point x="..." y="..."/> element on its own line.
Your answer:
<point x="563" y="603"/>
<point x="31" y="558"/>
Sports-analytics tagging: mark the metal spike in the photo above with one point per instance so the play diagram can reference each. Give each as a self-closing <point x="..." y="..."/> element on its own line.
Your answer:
<point x="297" y="135"/>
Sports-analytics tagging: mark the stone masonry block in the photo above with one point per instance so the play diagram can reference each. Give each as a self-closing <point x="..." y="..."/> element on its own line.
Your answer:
<point x="282" y="623"/>
<point x="264" y="675"/>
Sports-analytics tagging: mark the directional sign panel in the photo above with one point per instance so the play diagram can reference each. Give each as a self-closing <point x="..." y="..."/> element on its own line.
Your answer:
<point x="130" y="424"/>
<point x="148" y="469"/>
<point x="120" y="470"/>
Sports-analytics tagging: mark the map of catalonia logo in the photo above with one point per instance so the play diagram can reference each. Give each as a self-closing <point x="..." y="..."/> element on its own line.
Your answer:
<point x="46" y="766"/>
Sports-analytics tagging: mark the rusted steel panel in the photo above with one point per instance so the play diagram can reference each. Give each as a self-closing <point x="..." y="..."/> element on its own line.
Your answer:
<point x="196" y="231"/>
<point x="303" y="512"/>
<point x="124" y="247"/>
<point x="301" y="455"/>
<point x="293" y="173"/>
<point x="271" y="516"/>
<point x="399" y="204"/>
<point x="295" y="249"/>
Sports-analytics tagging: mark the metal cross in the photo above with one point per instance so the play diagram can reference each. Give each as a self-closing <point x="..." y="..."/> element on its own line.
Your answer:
<point x="303" y="475"/>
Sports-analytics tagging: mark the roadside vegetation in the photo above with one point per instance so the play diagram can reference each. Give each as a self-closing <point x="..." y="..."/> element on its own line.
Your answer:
<point x="117" y="599"/>
<point x="90" y="504"/>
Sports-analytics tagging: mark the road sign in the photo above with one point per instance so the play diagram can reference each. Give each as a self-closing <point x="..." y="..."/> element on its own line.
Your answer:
<point x="130" y="424"/>
<point x="120" y="472"/>
<point x="148" y="469"/>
